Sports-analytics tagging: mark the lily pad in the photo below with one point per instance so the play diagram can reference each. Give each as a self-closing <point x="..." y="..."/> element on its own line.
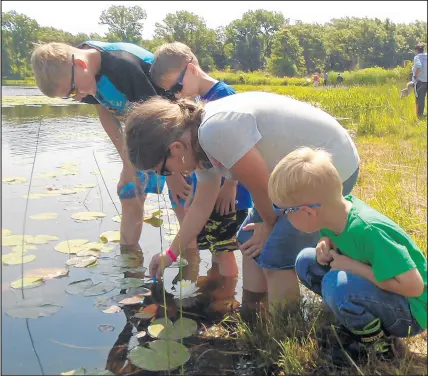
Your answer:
<point x="128" y="260"/>
<point x="99" y="288"/>
<point x="137" y="299"/>
<point x="16" y="258"/>
<point x="78" y="287"/>
<point x="43" y="216"/>
<point x="41" y="239"/>
<point x="68" y="191"/>
<point x="27" y="282"/>
<point x="182" y="328"/>
<point x="107" y="249"/>
<point x="127" y="283"/>
<point x="110" y="236"/>
<point x="160" y="355"/>
<point x="86" y="186"/>
<point x="87" y="216"/>
<point x="46" y="175"/>
<point x="117" y="218"/>
<point x="154" y="221"/>
<point x="97" y="172"/>
<point x="14" y="180"/>
<point x="71" y="246"/>
<point x="81" y="262"/>
<point x="94" y="246"/>
<point x="112" y="309"/>
<point x="47" y="273"/>
<point x="5" y="232"/>
<point x="147" y="312"/>
<point x="23" y="249"/>
<point x="13" y="240"/>
<point x="88" y="252"/>
<point x="105" y="328"/>
<point x="33" y="308"/>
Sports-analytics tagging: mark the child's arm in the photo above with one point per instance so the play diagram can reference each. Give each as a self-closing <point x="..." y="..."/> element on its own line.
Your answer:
<point x="323" y="250"/>
<point x="409" y="283"/>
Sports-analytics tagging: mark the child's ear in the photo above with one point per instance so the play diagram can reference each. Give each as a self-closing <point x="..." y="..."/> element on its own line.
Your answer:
<point x="193" y="68"/>
<point x="309" y="211"/>
<point x="81" y="63"/>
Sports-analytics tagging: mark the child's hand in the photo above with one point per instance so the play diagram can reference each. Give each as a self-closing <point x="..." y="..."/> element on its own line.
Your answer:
<point x="341" y="262"/>
<point x="178" y="186"/>
<point x="225" y="203"/>
<point x="323" y="251"/>
<point x="253" y="246"/>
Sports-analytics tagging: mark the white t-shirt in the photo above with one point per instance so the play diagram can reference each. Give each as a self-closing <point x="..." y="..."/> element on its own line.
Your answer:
<point x="276" y="125"/>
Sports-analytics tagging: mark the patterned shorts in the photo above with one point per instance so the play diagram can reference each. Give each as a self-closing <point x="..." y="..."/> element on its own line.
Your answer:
<point x="219" y="233"/>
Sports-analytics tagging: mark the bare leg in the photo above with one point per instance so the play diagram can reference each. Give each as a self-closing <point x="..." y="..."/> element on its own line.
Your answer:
<point x="283" y="286"/>
<point x="132" y="222"/>
<point x="253" y="278"/>
<point x="227" y="263"/>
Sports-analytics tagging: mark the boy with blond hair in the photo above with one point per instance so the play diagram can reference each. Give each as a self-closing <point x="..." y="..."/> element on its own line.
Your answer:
<point x="367" y="269"/>
<point x="176" y="69"/>
<point x="110" y="76"/>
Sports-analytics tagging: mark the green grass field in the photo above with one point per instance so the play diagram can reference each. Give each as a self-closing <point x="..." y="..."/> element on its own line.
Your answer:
<point x="392" y="145"/>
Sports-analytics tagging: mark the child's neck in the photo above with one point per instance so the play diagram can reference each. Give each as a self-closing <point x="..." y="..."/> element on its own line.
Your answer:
<point x="92" y="58"/>
<point x="205" y="84"/>
<point x="337" y="217"/>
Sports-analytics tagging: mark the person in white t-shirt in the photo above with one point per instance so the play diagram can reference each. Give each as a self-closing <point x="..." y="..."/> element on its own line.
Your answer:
<point x="243" y="137"/>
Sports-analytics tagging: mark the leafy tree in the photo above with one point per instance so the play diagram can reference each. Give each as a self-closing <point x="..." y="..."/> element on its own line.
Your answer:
<point x="125" y="24"/>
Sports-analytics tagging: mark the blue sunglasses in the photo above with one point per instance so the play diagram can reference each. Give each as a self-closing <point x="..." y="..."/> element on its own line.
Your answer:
<point x="293" y="209"/>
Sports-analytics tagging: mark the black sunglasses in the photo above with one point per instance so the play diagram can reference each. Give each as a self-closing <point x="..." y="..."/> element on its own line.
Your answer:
<point x="178" y="86"/>
<point x="164" y="171"/>
<point x="73" y="91"/>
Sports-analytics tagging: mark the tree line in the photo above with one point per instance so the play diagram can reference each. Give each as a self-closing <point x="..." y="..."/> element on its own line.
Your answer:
<point x="260" y="40"/>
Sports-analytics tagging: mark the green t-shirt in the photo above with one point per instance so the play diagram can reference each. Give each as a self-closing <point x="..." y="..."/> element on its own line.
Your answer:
<point x="374" y="239"/>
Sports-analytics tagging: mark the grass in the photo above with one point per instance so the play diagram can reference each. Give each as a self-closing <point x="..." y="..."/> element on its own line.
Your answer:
<point x="392" y="145"/>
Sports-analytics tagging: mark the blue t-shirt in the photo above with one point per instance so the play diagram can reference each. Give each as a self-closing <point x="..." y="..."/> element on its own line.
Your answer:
<point x="243" y="197"/>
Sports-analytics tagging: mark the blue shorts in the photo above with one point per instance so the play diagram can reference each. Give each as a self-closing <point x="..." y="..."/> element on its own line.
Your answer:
<point x="154" y="184"/>
<point x="285" y="242"/>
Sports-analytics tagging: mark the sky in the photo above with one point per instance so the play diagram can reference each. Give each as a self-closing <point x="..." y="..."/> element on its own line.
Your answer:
<point x="83" y="16"/>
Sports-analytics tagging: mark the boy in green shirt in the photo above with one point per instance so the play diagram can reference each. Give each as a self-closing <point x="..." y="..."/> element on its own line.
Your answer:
<point x="367" y="269"/>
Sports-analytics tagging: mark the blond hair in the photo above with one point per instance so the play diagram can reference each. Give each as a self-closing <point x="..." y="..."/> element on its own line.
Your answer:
<point x="171" y="57"/>
<point x="49" y="62"/>
<point x="304" y="175"/>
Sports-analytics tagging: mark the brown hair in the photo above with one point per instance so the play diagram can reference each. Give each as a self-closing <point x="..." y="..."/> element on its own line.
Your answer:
<point x="170" y="57"/>
<point x="155" y="124"/>
<point x="49" y="62"/>
<point x="420" y="47"/>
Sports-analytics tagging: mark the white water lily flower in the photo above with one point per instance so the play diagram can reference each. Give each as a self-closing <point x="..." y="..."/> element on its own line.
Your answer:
<point x="183" y="289"/>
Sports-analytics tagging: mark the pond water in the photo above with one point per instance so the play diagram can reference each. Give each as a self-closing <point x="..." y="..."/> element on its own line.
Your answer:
<point x="72" y="337"/>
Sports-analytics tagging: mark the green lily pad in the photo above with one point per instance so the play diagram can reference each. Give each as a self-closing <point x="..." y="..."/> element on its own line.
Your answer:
<point x="16" y="258"/>
<point x="99" y="288"/>
<point x="106" y="248"/>
<point x="46" y="175"/>
<point x="78" y="287"/>
<point x="88" y="252"/>
<point x="105" y="328"/>
<point x="19" y="249"/>
<point x="81" y="262"/>
<point x="117" y="218"/>
<point x="154" y="221"/>
<point x="71" y="246"/>
<point x="13" y="240"/>
<point x="127" y="283"/>
<point x="41" y="239"/>
<point x="27" y="282"/>
<point x="128" y="260"/>
<point x="110" y="236"/>
<point x="42" y="216"/>
<point x="87" y="216"/>
<point x="33" y="308"/>
<point x="160" y="355"/>
<point x="5" y="232"/>
<point x="86" y="186"/>
<point x="14" y="180"/>
<point x="47" y="273"/>
<point x="182" y="328"/>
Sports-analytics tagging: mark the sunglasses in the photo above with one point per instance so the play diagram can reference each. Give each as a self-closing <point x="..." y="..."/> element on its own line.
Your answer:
<point x="293" y="209"/>
<point x="164" y="171"/>
<point x="178" y="86"/>
<point x="73" y="91"/>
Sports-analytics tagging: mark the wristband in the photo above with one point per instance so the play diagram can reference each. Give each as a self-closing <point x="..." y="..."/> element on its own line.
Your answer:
<point x="171" y="255"/>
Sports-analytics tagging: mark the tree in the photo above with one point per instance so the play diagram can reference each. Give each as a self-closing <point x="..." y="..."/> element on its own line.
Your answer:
<point x="287" y="55"/>
<point x="125" y="24"/>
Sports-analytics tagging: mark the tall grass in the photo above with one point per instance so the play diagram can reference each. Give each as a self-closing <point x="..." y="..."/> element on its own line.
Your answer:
<point x="365" y="77"/>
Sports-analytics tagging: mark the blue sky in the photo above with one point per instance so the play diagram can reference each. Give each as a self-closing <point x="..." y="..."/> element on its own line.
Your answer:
<point x="82" y="16"/>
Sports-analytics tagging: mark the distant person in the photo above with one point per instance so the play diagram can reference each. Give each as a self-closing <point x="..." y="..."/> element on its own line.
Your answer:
<point x="325" y="78"/>
<point x="316" y="79"/>
<point x="420" y="78"/>
<point x="367" y="269"/>
<point x="339" y="79"/>
<point x="110" y="76"/>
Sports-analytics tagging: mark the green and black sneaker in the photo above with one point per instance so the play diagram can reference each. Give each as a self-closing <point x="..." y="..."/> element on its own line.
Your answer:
<point x="360" y="343"/>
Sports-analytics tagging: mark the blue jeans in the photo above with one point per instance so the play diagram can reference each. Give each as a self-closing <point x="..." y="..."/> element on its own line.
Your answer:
<point x="354" y="300"/>
<point x="285" y="242"/>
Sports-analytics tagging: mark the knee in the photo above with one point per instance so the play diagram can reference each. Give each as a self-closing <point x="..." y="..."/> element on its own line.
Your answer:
<point x="335" y="288"/>
<point x="304" y="259"/>
<point x="132" y="205"/>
